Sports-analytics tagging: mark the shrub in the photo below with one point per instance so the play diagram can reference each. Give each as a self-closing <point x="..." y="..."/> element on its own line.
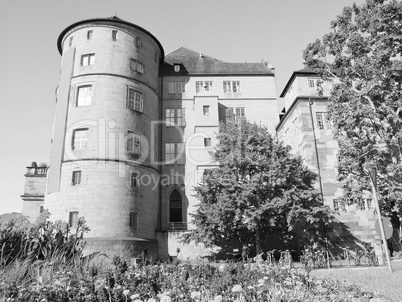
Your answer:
<point x="44" y="240"/>
<point x="183" y="282"/>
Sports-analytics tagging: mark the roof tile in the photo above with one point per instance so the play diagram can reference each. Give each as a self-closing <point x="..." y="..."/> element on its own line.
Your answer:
<point x="198" y="63"/>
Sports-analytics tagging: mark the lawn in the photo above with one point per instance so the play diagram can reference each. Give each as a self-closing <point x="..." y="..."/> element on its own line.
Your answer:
<point x="374" y="279"/>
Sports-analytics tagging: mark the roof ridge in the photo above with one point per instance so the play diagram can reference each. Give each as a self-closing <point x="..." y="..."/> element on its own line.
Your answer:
<point x="196" y="53"/>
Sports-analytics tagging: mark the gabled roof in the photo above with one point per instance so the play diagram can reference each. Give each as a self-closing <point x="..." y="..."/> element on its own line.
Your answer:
<point x="198" y="63"/>
<point x="304" y="71"/>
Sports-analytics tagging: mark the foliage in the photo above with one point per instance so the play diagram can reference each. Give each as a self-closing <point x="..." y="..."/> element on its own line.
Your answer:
<point x="362" y="56"/>
<point x="44" y="240"/>
<point x="182" y="282"/>
<point x="259" y="188"/>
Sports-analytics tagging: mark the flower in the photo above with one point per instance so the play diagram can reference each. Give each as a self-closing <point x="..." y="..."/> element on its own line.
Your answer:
<point x="195" y="295"/>
<point x="126" y="292"/>
<point x="236" y="288"/>
<point x="151" y="300"/>
<point x="135" y="296"/>
<point x="218" y="298"/>
<point x="165" y="298"/>
<point x="222" y="267"/>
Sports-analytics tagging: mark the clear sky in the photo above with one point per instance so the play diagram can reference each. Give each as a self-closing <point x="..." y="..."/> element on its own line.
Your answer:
<point x="229" y="30"/>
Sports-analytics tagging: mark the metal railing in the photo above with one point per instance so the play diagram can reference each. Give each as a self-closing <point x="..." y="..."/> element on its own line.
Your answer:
<point x="178" y="226"/>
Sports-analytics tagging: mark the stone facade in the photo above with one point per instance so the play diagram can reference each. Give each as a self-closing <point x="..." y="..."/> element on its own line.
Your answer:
<point x="110" y="141"/>
<point x="205" y="91"/>
<point x="304" y="126"/>
<point x="134" y="130"/>
<point x="34" y="191"/>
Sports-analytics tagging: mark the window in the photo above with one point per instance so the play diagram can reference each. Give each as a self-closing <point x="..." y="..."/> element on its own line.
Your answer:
<point x="133" y="220"/>
<point x="73" y="219"/>
<point x="203" y="86"/>
<point x="200" y="175"/>
<point x="361" y="205"/>
<point x="175" y="207"/>
<point x="114" y="35"/>
<point x="134" y="143"/>
<point x="84" y="95"/>
<point x="322" y="121"/>
<point x="89" y="34"/>
<point x="175" y="117"/>
<point x="311" y="83"/>
<point x="369" y="202"/>
<point x="135" y="100"/>
<point x="88" y="59"/>
<point x="205" y="110"/>
<point x="231" y="86"/>
<point x="137" y="66"/>
<point x="181" y="117"/>
<point x="207" y="141"/>
<point x="134" y="181"/>
<point x="181" y="87"/>
<point x="138" y="42"/>
<point x="227" y="87"/>
<point x="170" y="117"/>
<point x="76" y="178"/>
<point x="199" y="86"/>
<point x="176" y="87"/>
<point x="169" y="153"/>
<point x="80" y="139"/>
<point x="176" y="67"/>
<point x="240" y="112"/>
<point x="175" y="152"/>
<point x="172" y="87"/>
<point x="336" y="204"/>
<point x="229" y="113"/>
<point x="236" y="86"/>
<point x="70" y="41"/>
<point x="339" y="205"/>
<point x="208" y="86"/>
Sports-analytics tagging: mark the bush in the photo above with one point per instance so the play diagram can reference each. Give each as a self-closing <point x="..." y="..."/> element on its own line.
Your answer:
<point x="42" y="241"/>
<point x="181" y="282"/>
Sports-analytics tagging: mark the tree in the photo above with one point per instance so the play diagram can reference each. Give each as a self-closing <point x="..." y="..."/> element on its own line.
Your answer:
<point x="362" y="56"/>
<point x="258" y="188"/>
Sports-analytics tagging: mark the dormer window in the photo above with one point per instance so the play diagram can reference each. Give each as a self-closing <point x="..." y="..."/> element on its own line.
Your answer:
<point x="176" y="67"/>
<point x="114" y="35"/>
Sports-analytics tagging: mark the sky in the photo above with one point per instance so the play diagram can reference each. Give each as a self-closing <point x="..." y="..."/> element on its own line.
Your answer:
<point x="230" y="30"/>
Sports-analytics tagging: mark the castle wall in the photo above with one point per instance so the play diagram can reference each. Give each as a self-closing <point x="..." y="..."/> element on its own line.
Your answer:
<point x="110" y="150"/>
<point x="34" y="190"/>
<point x="313" y="141"/>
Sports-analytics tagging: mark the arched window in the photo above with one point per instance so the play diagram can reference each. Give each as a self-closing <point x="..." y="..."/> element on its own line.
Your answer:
<point x="175" y="207"/>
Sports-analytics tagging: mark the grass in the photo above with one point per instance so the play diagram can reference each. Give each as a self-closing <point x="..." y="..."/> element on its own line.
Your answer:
<point x="374" y="279"/>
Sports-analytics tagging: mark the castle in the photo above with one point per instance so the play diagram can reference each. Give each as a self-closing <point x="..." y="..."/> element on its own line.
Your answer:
<point x="134" y="130"/>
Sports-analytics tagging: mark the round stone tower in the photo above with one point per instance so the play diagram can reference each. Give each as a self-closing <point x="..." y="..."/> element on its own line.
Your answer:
<point x="104" y="154"/>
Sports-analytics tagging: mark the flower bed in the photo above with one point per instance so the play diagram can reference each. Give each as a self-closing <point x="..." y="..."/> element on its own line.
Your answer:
<point x="177" y="282"/>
